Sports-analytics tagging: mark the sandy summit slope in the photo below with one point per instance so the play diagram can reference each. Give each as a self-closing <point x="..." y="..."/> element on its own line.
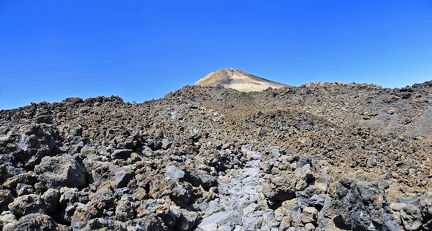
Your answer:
<point x="238" y="80"/>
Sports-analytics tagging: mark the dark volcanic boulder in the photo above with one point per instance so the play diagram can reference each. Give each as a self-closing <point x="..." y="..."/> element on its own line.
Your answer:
<point x="5" y="198"/>
<point x="27" y="204"/>
<point x="37" y="221"/>
<point x="360" y="205"/>
<point x="51" y="199"/>
<point x="59" y="171"/>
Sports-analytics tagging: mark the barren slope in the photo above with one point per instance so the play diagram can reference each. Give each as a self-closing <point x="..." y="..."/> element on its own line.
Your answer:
<point x="238" y="80"/>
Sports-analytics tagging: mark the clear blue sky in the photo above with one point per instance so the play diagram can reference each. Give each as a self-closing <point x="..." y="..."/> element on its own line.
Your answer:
<point x="140" y="50"/>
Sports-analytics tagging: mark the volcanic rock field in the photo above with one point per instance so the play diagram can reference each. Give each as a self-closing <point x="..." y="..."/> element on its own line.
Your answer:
<point x="322" y="156"/>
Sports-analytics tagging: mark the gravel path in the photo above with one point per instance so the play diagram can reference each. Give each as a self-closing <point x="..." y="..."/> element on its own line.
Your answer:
<point x="236" y="205"/>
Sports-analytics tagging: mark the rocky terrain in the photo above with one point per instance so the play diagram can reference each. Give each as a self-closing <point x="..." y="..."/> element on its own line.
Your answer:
<point x="323" y="156"/>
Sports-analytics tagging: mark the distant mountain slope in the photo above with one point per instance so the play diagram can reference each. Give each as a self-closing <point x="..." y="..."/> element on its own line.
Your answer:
<point x="238" y="80"/>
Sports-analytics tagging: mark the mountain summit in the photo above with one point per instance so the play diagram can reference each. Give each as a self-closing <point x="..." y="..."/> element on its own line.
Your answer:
<point x="238" y="80"/>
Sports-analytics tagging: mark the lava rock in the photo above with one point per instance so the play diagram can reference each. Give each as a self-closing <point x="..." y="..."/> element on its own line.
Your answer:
<point x="122" y="154"/>
<point x="8" y="220"/>
<point x="51" y="199"/>
<point x="411" y="217"/>
<point x="36" y="221"/>
<point x="59" y="171"/>
<point x="5" y="198"/>
<point x="27" y="204"/>
<point x="122" y="177"/>
<point x="125" y="209"/>
<point x="426" y="204"/>
<point x="187" y="220"/>
<point x="309" y="215"/>
<point x="360" y="204"/>
<point x="24" y="189"/>
<point x="201" y="178"/>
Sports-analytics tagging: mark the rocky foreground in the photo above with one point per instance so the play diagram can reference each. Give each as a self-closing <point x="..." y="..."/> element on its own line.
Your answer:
<point x="317" y="157"/>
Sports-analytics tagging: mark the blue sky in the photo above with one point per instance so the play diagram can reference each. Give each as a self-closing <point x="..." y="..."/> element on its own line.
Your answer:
<point x="141" y="50"/>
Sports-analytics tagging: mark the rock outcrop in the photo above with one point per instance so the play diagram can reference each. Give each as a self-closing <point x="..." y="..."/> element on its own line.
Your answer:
<point x="323" y="156"/>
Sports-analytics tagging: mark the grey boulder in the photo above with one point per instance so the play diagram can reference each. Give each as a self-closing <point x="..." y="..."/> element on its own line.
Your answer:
<point x="27" y="204"/>
<point x="61" y="171"/>
<point x="36" y="221"/>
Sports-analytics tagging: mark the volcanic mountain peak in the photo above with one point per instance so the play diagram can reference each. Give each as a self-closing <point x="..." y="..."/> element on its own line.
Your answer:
<point x="236" y="79"/>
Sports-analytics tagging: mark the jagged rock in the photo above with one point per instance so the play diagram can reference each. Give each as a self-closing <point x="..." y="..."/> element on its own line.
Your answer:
<point x="172" y="173"/>
<point x="125" y="209"/>
<point x="269" y="220"/>
<point x="36" y="141"/>
<point x="8" y="220"/>
<point x="187" y="220"/>
<point x="104" y="224"/>
<point x="309" y="215"/>
<point x="59" y="171"/>
<point x="149" y="223"/>
<point x="285" y="223"/>
<point x="7" y="171"/>
<point x="166" y="144"/>
<point x="5" y="198"/>
<point x="391" y="223"/>
<point x="426" y="204"/>
<point x="286" y="208"/>
<point x="215" y="220"/>
<point x="24" y="189"/>
<point x="101" y="202"/>
<point x="154" y="143"/>
<point x="361" y="204"/>
<point x="411" y="217"/>
<point x="318" y="200"/>
<point x="28" y="178"/>
<point x="36" y="221"/>
<point x="99" y="172"/>
<point x="201" y="177"/>
<point x="122" y="177"/>
<point x="281" y="189"/>
<point x="427" y="225"/>
<point x="171" y="218"/>
<point x="122" y="153"/>
<point x="305" y="197"/>
<point x="151" y="206"/>
<point x="180" y="193"/>
<point x="309" y="227"/>
<point x="68" y="195"/>
<point x="51" y="199"/>
<point x="27" y="204"/>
